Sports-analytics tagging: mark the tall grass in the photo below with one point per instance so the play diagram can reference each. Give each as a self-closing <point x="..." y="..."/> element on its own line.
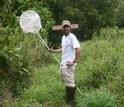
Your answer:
<point x="46" y="90"/>
<point x="99" y="75"/>
<point x="102" y="65"/>
<point x="98" y="98"/>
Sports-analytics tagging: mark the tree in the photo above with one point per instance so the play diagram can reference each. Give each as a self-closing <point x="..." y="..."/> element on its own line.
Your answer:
<point x="91" y="15"/>
<point x="7" y="16"/>
<point x="120" y="14"/>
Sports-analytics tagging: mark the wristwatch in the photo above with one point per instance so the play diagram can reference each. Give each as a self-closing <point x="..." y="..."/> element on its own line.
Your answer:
<point x="74" y="61"/>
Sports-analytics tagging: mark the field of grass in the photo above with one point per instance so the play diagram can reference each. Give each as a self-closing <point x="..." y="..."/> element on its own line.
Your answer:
<point x="99" y="75"/>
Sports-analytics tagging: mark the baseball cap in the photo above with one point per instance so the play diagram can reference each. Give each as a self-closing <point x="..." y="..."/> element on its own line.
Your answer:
<point x="66" y="22"/>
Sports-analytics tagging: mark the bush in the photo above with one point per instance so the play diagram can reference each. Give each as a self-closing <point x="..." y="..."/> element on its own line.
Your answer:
<point x="109" y="34"/>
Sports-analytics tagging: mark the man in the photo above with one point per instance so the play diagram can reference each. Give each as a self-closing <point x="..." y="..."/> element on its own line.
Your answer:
<point x="70" y="54"/>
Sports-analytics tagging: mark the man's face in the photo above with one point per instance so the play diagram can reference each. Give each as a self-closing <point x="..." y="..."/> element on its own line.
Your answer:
<point x="66" y="30"/>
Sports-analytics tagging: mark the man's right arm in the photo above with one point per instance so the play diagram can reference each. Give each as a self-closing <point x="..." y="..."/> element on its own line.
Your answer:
<point x="55" y="50"/>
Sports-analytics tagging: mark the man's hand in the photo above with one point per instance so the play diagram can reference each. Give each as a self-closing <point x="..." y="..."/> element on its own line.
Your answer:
<point x="70" y="63"/>
<point x="50" y="50"/>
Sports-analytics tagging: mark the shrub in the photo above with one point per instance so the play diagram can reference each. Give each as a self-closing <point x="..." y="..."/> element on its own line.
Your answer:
<point x="108" y="34"/>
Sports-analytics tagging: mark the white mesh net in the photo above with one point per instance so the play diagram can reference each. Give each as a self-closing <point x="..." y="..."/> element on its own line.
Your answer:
<point x="30" y="21"/>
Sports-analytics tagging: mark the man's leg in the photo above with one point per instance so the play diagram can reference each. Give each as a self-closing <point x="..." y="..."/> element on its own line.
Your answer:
<point x="70" y="94"/>
<point x="67" y="75"/>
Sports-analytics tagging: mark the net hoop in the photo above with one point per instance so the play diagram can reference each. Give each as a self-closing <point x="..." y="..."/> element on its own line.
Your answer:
<point x="30" y="21"/>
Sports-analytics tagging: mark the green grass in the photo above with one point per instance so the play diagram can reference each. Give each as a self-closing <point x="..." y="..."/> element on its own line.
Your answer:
<point x="99" y="75"/>
<point x="98" y="98"/>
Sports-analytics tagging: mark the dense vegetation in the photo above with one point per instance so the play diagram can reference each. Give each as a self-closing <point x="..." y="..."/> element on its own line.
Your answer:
<point x="89" y="14"/>
<point x="29" y="76"/>
<point x="99" y="75"/>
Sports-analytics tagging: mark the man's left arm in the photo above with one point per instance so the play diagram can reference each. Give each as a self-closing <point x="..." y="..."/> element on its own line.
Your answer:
<point x="77" y="54"/>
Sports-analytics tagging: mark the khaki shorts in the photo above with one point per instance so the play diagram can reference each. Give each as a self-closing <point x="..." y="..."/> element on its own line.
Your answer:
<point x="67" y="75"/>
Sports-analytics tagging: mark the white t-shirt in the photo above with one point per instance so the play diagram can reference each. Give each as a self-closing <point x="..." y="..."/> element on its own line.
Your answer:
<point x="69" y="43"/>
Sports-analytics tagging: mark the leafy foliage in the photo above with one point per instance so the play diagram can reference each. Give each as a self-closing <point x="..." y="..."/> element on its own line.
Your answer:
<point x="91" y="17"/>
<point x="18" y="53"/>
<point x="89" y="14"/>
<point x="120" y="14"/>
<point x="21" y="53"/>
